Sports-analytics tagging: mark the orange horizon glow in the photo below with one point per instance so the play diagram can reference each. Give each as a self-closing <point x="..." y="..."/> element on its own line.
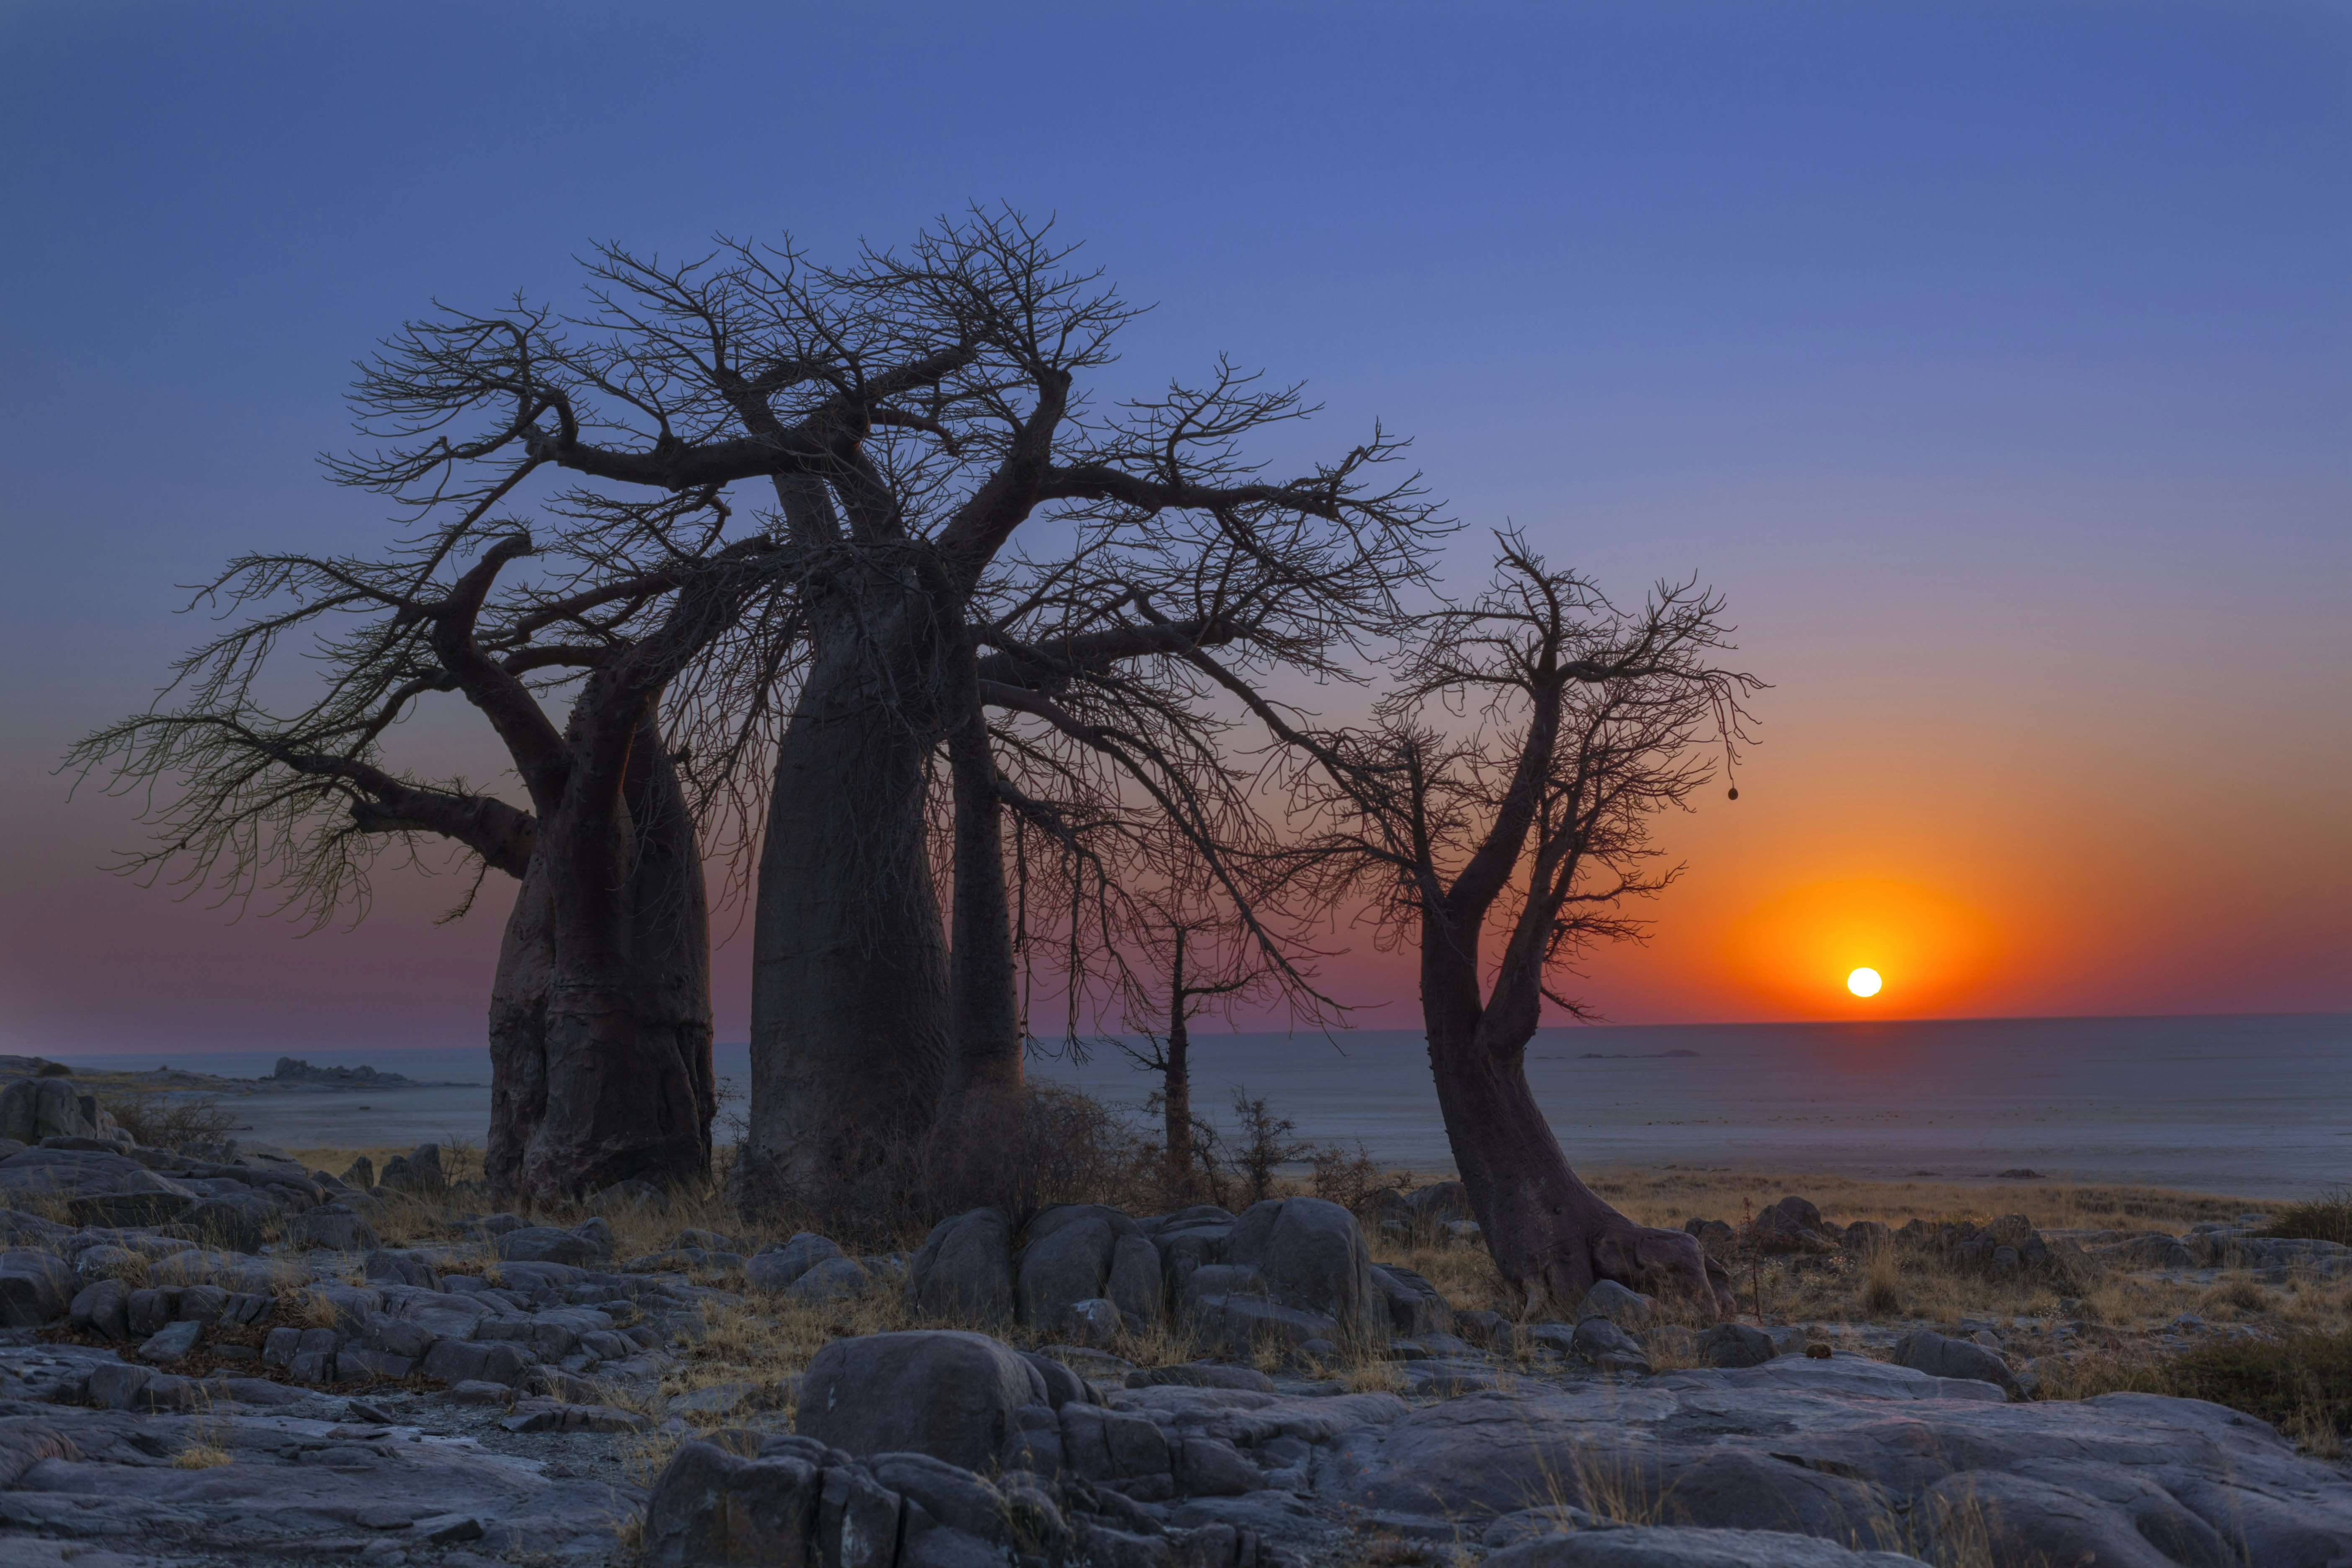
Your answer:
<point x="1828" y="947"/>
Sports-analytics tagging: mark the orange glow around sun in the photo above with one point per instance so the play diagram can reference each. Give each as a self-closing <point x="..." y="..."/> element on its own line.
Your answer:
<point x="1865" y="947"/>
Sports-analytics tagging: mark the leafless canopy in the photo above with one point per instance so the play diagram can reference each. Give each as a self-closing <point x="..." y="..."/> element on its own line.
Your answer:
<point x="1516" y="760"/>
<point x="897" y="418"/>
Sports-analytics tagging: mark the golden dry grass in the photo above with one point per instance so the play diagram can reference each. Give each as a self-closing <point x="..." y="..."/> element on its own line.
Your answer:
<point x="1668" y="1197"/>
<point x="1902" y="1282"/>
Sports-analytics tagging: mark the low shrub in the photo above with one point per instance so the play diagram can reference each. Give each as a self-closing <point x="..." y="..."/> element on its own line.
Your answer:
<point x="2303" y="1380"/>
<point x="2327" y="1217"/>
<point x="184" y="1123"/>
<point x="2300" y="1384"/>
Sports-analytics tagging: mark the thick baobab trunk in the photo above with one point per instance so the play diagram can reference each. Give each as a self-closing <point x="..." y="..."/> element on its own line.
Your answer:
<point x="1551" y="1235"/>
<point x="600" y="1020"/>
<point x="850" y="1026"/>
<point x="518" y="1033"/>
<point x="982" y="982"/>
<point x="984" y="1065"/>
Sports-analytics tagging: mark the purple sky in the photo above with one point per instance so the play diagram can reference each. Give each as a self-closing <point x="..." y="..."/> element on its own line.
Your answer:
<point x="1991" y="358"/>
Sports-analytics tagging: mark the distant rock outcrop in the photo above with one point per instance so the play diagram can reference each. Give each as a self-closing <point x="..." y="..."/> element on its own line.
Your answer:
<point x="293" y="1069"/>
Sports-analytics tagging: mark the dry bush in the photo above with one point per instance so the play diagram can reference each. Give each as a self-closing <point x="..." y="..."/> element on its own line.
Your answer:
<point x="1261" y="1144"/>
<point x="2327" y="1217"/>
<point x="1056" y="1145"/>
<point x="1348" y="1178"/>
<point x="184" y="1123"/>
<point x="2302" y="1384"/>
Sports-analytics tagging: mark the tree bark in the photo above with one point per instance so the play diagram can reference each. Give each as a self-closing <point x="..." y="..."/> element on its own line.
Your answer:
<point x="984" y="1066"/>
<point x="984" y="994"/>
<point x="600" y="1020"/>
<point x="526" y="974"/>
<point x="850" y="1030"/>
<point x="1176" y="1089"/>
<point x="1550" y="1234"/>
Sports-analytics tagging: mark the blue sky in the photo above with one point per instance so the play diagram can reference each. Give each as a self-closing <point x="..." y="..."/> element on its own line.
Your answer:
<point x="1992" y="358"/>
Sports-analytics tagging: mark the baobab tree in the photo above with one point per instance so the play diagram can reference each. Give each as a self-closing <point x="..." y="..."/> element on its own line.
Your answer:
<point x="1504" y="789"/>
<point x="911" y="413"/>
<point x="600" y="1018"/>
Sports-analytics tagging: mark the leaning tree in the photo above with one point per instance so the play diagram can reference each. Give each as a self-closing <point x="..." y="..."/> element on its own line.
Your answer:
<point x="911" y="413"/>
<point x="600" y="1016"/>
<point x="1504" y="790"/>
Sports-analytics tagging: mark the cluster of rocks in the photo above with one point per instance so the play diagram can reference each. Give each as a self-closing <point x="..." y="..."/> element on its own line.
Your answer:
<point x="1439" y="1212"/>
<point x="945" y="1447"/>
<point x="431" y="1401"/>
<point x="1296" y="1271"/>
<point x="49" y="1106"/>
<point x="2003" y="1249"/>
<point x="1794" y="1228"/>
<point x="2237" y="1246"/>
<point x="935" y="1448"/>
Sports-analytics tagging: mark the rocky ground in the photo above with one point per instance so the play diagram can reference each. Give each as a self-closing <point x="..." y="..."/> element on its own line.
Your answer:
<point x="499" y="1390"/>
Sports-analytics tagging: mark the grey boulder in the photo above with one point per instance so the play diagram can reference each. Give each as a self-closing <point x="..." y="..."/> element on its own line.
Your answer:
<point x="1310" y="1256"/>
<point x="1626" y="1309"/>
<point x="417" y="1174"/>
<point x="1923" y="1349"/>
<point x="1093" y="1325"/>
<point x="36" y="1288"/>
<point x="545" y="1243"/>
<point x="834" y="1280"/>
<point x="1735" y="1345"/>
<point x="964" y="1269"/>
<point x="335" y="1226"/>
<point x="1610" y="1347"/>
<point x="238" y="1218"/>
<point x="942" y="1392"/>
<point x="97" y="1188"/>
<point x="1414" y="1307"/>
<point x="1087" y="1252"/>
<point x="710" y="1507"/>
<point x="778" y="1267"/>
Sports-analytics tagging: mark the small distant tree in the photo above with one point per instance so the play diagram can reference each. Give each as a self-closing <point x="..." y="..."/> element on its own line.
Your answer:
<point x="1187" y="954"/>
<point x="1504" y="790"/>
<point x="1262" y="1144"/>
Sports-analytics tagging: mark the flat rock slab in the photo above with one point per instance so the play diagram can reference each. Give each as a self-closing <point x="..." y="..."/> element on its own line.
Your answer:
<point x="1668" y="1546"/>
<point x="1846" y="1449"/>
<point x="105" y="1479"/>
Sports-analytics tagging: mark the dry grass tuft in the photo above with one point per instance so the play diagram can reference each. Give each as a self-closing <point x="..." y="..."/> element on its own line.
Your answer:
<point x="2233" y="1298"/>
<point x="200" y="1455"/>
<point x="1880" y="1292"/>
<point x="630" y="1531"/>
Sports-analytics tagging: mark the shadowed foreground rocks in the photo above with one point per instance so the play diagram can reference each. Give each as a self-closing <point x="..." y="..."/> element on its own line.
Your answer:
<point x="497" y="1397"/>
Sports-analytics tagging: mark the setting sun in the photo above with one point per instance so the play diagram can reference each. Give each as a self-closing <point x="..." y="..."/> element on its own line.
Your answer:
<point x="1821" y="949"/>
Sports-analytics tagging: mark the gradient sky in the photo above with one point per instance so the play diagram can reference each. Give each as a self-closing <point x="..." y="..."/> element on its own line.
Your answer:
<point x="1994" y="360"/>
